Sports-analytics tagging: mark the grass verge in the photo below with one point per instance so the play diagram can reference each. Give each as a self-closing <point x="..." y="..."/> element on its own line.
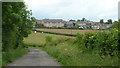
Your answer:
<point x="8" y="57"/>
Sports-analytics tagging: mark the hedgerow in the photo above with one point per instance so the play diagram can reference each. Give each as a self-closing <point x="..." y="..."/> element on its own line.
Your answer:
<point x="105" y="42"/>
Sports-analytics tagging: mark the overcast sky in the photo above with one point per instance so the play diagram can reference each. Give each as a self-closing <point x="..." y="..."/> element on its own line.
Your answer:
<point x="93" y="10"/>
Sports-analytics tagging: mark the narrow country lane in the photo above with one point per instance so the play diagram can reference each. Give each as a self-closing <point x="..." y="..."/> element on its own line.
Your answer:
<point x="35" y="57"/>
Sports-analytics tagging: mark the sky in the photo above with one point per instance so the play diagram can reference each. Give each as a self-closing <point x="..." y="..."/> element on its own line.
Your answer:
<point x="93" y="10"/>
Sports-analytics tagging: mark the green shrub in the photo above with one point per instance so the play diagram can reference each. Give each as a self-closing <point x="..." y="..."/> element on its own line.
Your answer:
<point x="105" y="42"/>
<point x="48" y="39"/>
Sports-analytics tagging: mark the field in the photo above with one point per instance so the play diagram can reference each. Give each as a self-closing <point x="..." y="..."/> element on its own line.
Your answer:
<point x="68" y="31"/>
<point x="39" y="38"/>
<point x="66" y="51"/>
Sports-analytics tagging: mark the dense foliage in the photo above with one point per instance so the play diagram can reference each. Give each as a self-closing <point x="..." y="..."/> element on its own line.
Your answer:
<point x="16" y="24"/>
<point x="90" y="49"/>
<point x="106" y="43"/>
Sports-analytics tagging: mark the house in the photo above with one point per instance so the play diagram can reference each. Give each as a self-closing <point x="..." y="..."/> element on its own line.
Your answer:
<point x="101" y="26"/>
<point x="40" y="22"/>
<point x="81" y="23"/>
<point x="69" y="24"/>
<point x="86" y="24"/>
<point x="53" y="22"/>
<point x="72" y="23"/>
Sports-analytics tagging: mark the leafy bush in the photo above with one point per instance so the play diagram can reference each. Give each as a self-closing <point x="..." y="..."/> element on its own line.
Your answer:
<point x="49" y="41"/>
<point x="104" y="42"/>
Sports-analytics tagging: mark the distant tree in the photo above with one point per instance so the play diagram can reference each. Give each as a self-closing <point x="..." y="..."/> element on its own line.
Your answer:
<point x="65" y="25"/>
<point x="71" y="20"/>
<point x="74" y="24"/>
<point x="88" y="24"/>
<point x="39" y="25"/>
<point x="109" y="21"/>
<point x="78" y="20"/>
<point x="83" y="19"/>
<point x="101" y="21"/>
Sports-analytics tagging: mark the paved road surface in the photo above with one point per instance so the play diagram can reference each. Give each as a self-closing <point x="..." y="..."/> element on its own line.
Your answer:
<point x="35" y="57"/>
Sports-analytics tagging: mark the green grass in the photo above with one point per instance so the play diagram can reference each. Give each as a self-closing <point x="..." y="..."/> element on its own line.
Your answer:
<point x="67" y="53"/>
<point x="8" y="57"/>
<point x="71" y="55"/>
<point x="0" y="58"/>
<point x="0" y="54"/>
<point x="38" y="39"/>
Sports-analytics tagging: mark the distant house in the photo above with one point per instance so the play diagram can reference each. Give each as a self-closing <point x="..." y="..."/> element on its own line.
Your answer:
<point x="81" y="23"/>
<point x="69" y="24"/>
<point x="40" y="22"/>
<point x="101" y="26"/>
<point x="72" y="23"/>
<point x="53" y="23"/>
<point x="86" y="24"/>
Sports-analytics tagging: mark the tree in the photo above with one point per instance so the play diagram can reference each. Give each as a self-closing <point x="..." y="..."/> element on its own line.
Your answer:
<point x="71" y="20"/>
<point x="74" y="24"/>
<point x="109" y="21"/>
<point x="88" y="24"/>
<point x="101" y="21"/>
<point x="83" y="19"/>
<point x="39" y="25"/>
<point x="116" y="25"/>
<point x="78" y="20"/>
<point x="16" y="24"/>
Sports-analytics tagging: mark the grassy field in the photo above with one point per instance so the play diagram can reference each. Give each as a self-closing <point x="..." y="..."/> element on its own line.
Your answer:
<point x="39" y="38"/>
<point x="66" y="52"/>
<point x="68" y="31"/>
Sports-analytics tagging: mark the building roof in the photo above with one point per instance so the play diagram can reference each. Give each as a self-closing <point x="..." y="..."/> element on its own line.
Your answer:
<point x="38" y="20"/>
<point x="69" y="23"/>
<point x="85" y="22"/>
<point x="53" y="21"/>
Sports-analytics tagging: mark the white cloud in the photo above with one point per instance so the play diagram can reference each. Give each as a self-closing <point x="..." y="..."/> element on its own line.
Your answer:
<point x="74" y="9"/>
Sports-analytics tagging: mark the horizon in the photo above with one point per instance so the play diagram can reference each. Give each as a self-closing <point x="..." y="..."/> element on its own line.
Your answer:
<point x="74" y="9"/>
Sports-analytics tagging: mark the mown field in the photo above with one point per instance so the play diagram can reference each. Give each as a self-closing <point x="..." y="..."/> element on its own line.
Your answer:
<point x="67" y="51"/>
<point x="68" y="31"/>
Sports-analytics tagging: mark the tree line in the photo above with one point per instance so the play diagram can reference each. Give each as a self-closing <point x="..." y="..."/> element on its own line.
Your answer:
<point x="16" y="24"/>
